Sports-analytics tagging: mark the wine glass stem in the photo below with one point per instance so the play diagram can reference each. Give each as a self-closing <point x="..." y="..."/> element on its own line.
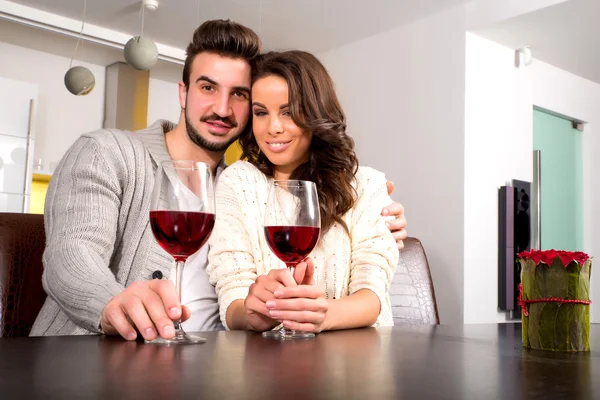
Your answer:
<point x="287" y="331"/>
<point x="292" y="268"/>
<point x="178" y="279"/>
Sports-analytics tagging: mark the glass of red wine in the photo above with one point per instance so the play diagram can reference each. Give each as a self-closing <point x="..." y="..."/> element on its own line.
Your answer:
<point x="292" y="228"/>
<point x="182" y="217"/>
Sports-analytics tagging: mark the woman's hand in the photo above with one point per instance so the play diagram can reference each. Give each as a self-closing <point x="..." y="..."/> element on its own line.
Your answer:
<point x="302" y="307"/>
<point x="260" y="293"/>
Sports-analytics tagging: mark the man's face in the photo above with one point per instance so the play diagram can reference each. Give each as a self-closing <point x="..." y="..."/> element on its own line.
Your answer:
<point x="217" y="101"/>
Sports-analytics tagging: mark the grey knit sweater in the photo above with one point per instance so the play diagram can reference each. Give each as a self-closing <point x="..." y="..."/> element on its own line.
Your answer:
<point x="97" y="227"/>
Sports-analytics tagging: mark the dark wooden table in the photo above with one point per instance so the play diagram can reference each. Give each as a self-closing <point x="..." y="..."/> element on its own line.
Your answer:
<point x="443" y="362"/>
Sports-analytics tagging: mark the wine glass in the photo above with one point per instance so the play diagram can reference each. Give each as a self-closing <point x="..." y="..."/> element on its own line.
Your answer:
<point x="182" y="217"/>
<point x="292" y="228"/>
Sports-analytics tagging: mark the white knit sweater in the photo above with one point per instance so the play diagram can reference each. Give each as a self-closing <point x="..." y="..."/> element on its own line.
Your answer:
<point x="239" y="251"/>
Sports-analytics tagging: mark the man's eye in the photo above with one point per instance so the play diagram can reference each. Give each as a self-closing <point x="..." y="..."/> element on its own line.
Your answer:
<point x="240" y="95"/>
<point x="208" y="88"/>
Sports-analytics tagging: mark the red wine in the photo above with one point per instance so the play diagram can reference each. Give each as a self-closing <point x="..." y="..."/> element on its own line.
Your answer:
<point x="181" y="233"/>
<point x="291" y="244"/>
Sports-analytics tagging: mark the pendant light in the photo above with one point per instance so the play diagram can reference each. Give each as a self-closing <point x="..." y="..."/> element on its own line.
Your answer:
<point x="79" y="80"/>
<point x="140" y="52"/>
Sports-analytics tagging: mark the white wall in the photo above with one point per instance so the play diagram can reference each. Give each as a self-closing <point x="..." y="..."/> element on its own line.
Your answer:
<point x="499" y="104"/>
<point x="61" y="117"/>
<point x="163" y="100"/>
<point x="404" y="99"/>
<point x="498" y="148"/>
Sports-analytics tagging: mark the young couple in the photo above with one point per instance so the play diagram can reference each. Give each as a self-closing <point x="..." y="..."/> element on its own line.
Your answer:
<point x="105" y="273"/>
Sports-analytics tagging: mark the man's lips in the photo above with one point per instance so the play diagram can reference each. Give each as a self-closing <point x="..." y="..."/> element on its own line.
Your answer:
<point x="218" y="127"/>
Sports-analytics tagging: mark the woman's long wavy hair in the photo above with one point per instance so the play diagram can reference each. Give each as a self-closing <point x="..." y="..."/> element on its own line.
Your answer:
<point x="314" y="106"/>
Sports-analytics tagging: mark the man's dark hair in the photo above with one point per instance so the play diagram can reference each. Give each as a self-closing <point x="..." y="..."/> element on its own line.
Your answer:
<point x="225" y="38"/>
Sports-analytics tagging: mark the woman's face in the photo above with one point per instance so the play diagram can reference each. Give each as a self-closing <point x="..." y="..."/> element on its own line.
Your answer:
<point x="284" y="143"/>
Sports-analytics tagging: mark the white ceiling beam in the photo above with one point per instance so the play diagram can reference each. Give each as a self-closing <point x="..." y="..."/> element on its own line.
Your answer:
<point x="71" y="27"/>
<point x="484" y="13"/>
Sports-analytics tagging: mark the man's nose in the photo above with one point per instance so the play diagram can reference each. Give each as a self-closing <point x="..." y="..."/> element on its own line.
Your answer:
<point x="222" y="107"/>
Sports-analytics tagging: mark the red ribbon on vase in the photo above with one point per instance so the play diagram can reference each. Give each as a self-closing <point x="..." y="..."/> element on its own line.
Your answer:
<point x="523" y="303"/>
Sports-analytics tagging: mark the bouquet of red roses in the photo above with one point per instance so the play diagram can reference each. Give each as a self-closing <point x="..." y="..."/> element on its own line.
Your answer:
<point x="555" y="298"/>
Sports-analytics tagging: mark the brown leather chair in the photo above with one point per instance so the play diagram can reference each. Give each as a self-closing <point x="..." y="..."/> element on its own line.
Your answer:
<point x="411" y="290"/>
<point x="22" y="242"/>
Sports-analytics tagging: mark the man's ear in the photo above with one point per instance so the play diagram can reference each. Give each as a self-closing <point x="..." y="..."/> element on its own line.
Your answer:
<point x="182" y="95"/>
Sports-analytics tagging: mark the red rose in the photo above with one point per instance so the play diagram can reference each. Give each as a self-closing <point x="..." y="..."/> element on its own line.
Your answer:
<point x="547" y="256"/>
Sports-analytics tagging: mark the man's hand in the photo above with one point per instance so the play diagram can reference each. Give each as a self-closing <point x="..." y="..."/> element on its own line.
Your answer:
<point x="150" y="307"/>
<point x="398" y="225"/>
<point x="302" y="307"/>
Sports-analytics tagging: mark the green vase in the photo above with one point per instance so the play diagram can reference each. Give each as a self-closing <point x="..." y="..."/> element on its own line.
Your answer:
<point x="556" y="325"/>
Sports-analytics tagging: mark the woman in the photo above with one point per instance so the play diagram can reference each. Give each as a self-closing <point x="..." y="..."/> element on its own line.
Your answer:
<point x="299" y="132"/>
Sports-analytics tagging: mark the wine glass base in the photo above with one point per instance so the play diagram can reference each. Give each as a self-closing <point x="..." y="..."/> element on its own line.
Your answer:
<point x="184" y="338"/>
<point x="286" y="334"/>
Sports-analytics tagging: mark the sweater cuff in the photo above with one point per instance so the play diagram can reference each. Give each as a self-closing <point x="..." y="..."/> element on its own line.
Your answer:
<point x="225" y="300"/>
<point x="96" y="305"/>
<point x="384" y="311"/>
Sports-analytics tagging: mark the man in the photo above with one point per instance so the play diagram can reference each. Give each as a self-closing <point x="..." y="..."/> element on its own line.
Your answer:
<point x="103" y="268"/>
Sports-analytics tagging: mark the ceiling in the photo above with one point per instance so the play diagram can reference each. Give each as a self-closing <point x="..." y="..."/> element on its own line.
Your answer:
<point x="566" y="35"/>
<point x="312" y="25"/>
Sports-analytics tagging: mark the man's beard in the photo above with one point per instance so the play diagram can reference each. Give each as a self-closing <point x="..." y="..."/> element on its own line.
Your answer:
<point x="195" y="136"/>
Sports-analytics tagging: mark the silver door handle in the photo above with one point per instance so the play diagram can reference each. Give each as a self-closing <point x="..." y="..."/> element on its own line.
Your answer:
<point x="28" y="150"/>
